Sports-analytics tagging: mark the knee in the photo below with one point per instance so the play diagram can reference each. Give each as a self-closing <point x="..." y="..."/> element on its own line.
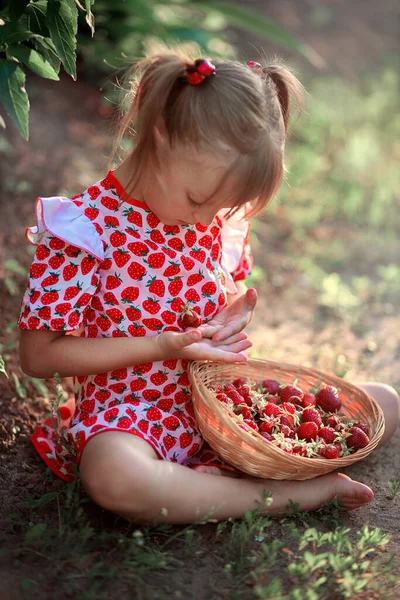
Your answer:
<point x="389" y="401"/>
<point x="115" y="479"/>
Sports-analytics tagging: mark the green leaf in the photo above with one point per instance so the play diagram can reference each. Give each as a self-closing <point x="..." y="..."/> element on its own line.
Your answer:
<point x="33" y="60"/>
<point x="13" y="94"/>
<point x="11" y="33"/>
<point x="14" y="266"/>
<point x="46" y="48"/>
<point x="35" y="18"/>
<point x="16" y="8"/>
<point x="62" y="21"/>
<point x="19" y="388"/>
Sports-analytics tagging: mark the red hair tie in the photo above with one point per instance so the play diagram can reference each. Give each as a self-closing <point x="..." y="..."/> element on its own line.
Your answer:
<point x="255" y="66"/>
<point x="201" y="69"/>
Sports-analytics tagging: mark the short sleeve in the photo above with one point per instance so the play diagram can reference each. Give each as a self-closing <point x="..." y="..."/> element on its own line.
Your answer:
<point x="64" y="273"/>
<point x="236" y="251"/>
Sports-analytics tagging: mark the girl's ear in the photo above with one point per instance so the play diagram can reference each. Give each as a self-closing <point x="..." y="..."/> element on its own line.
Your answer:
<point x="160" y="135"/>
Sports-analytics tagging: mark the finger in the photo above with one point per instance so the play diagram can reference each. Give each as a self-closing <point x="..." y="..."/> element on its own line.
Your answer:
<point x="238" y="347"/>
<point x="251" y="298"/>
<point x="230" y="330"/>
<point x="208" y="331"/>
<point x="237" y="337"/>
<point x="181" y="340"/>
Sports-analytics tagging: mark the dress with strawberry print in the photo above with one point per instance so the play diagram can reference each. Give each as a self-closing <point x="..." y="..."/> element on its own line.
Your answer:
<point x="105" y="266"/>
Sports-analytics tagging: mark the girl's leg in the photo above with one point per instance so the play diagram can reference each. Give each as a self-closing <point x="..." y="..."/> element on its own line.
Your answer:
<point x="389" y="401"/>
<point x="123" y="474"/>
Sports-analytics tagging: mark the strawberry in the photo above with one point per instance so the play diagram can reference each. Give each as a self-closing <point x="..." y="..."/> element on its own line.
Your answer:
<point x="267" y="426"/>
<point x="151" y="306"/>
<point x="156" y="430"/>
<point x="118" y="388"/>
<point x="251" y="423"/>
<point x="153" y="324"/>
<point x="87" y="406"/>
<point x="113" y="281"/>
<point x="176" y="244"/>
<point x="170" y="364"/>
<point x="201" y="227"/>
<point x="357" y="438"/>
<point x="209" y="308"/>
<point x="56" y="261"/>
<point x="331" y="452"/>
<point x="115" y="315"/>
<point x="138" y="384"/>
<point x="102" y="395"/>
<point x="91" y="212"/>
<point x="333" y="421"/>
<point x="188" y="318"/>
<point x="72" y="291"/>
<point x="175" y="285"/>
<point x="50" y="296"/>
<point x="101" y="379"/>
<point x="136" y="330"/>
<point x="84" y="300"/>
<point x="136" y="271"/>
<point x="92" y="331"/>
<point x="185" y="439"/>
<point x="111" y="222"/>
<point x="288" y="391"/>
<point x="153" y="414"/>
<point x="156" y="236"/>
<point x="133" y="216"/>
<point x="138" y="248"/>
<point x="156" y="286"/>
<point x="195" y="278"/>
<point x="308" y="400"/>
<point x="34" y="295"/>
<point x="158" y="378"/>
<point x="311" y="415"/>
<point x="33" y="322"/>
<point x="103" y="322"/>
<point x="177" y="304"/>
<point x="328" y="434"/>
<point x="133" y="313"/>
<point x="190" y="238"/>
<point x="94" y="192"/>
<point x="130" y="294"/>
<point x="90" y="421"/>
<point x="121" y="257"/>
<point x="152" y="220"/>
<point x="206" y="241"/>
<point x="73" y="319"/>
<point x="151" y="395"/>
<point x="307" y="431"/>
<point x="109" y="298"/>
<point x="188" y="262"/>
<point x="52" y="279"/>
<point x="198" y="254"/>
<point x="70" y="271"/>
<point x="168" y="317"/>
<point x="182" y="396"/>
<point x="106" y="264"/>
<point x="110" y="203"/>
<point x="169" y="389"/>
<point x="267" y="436"/>
<point x="37" y="270"/>
<point x="42" y="253"/>
<point x="56" y="244"/>
<point x="172" y="269"/>
<point x="110" y="415"/>
<point x="288" y="420"/>
<point x="289" y="407"/>
<point x="57" y="324"/>
<point x="156" y="260"/>
<point x="183" y="379"/>
<point x="169" y="441"/>
<point x="192" y="295"/>
<point x="363" y="427"/>
<point x="328" y="399"/>
<point x="118" y="238"/>
<point x="124" y="423"/>
<point x="72" y="251"/>
<point x="271" y="410"/>
<point x="165" y="404"/>
<point x="45" y="312"/>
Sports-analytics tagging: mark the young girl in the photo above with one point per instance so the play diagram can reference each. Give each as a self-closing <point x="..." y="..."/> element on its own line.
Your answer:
<point x="117" y="272"/>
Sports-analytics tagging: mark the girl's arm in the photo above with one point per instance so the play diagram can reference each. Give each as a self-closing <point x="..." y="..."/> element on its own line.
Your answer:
<point x="241" y="289"/>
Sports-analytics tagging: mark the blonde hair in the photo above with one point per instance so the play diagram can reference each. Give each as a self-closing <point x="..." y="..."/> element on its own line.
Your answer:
<point x="247" y="111"/>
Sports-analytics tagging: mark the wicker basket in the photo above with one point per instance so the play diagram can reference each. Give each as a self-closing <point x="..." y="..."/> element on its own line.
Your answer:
<point x="249" y="451"/>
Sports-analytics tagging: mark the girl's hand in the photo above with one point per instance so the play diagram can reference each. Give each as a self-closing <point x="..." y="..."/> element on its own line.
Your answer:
<point x="231" y="320"/>
<point x="190" y="345"/>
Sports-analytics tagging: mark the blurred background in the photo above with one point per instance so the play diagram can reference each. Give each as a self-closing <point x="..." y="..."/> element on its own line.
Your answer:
<point x="326" y="250"/>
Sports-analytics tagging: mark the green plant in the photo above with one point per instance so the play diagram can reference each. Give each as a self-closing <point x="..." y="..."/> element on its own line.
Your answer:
<point x="394" y="487"/>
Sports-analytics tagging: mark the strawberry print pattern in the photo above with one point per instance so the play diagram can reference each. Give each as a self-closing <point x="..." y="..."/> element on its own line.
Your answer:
<point x="149" y="272"/>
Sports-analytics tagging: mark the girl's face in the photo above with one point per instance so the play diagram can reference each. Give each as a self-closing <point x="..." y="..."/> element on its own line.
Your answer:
<point x="185" y="189"/>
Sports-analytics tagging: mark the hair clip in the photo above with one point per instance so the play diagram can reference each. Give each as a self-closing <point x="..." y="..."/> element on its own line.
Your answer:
<point x="201" y="69"/>
<point x="255" y="66"/>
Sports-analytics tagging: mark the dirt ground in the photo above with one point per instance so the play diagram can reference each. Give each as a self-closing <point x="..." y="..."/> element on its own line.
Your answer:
<point x="67" y="151"/>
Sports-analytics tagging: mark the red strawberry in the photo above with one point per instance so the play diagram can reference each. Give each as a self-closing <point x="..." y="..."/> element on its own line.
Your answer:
<point x="165" y="404"/>
<point x="118" y="388"/>
<point x="267" y="426"/>
<point x="138" y="384"/>
<point x="188" y="318"/>
<point x="136" y="271"/>
<point x="307" y="431"/>
<point x="201" y="227"/>
<point x="56" y="244"/>
<point x="172" y="269"/>
<point x="289" y="407"/>
<point x="206" y="241"/>
<point x="136" y="330"/>
<point x="333" y="421"/>
<point x="101" y="379"/>
<point x="110" y="203"/>
<point x="177" y="304"/>
<point x="115" y="315"/>
<point x="308" y="400"/>
<point x="33" y="322"/>
<point x="190" y="238"/>
<point x="138" y="248"/>
<point x="153" y="414"/>
<point x="57" y="324"/>
<point x="56" y="261"/>
<point x="185" y="439"/>
<point x="176" y="244"/>
<point x="124" y="423"/>
<point x="198" y="254"/>
<point x="195" y="278"/>
<point x="357" y="438"/>
<point x="156" y="236"/>
<point x="328" y="434"/>
<point x="288" y="391"/>
<point x="168" y="317"/>
<point x="156" y="286"/>
<point x="331" y="452"/>
<point x="169" y="389"/>
<point x="188" y="262"/>
<point x="34" y="295"/>
<point x="91" y="212"/>
<point x="288" y="420"/>
<point x="121" y="257"/>
<point x="271" y="410"/>
<point x="70" y="271"/>
<point x="133" y="216"/>
<point x="111" y="222"/>
<point x="328" y="399"/>
<point x="102" y="395"/>
<point x="169" y="441"/>
<point x="52" y="279"/>
<point x="90" y="421"/>
<point x="113" y="281"/>
<point x="175" y="285"/>
<point x="45" y="312"/>
<point x="156" y="430"/>
<point x="151" y="395"/>
<point x="143" y="425"/>
<point x="37" y="270"/>
<point x="73" y="319"/>
<point x="50" y="296"/>
<point x="192" y="295"/>
<point x="182" y="396"/>
<point x="87" y="406"/>
<point x="170" y="364"/>
<point x="311" y="415"/>
<point x="152" y="220"/>
<point x="110" y="415"/>
<point x="118" y="238"/>
<point x="92" y="331"/>
<point x="171" y="229"/>
<point x="109" y="298"/>
<point x="363" y="427"/>
<point x="151" y="306"/>
<point x="94" y="192"/>
<point x="84" y="299"/>
<point x="133" y="313"/>
<point x="42" y="252"/>
<point x="72" y="251"/>
<point x="209" y="308"/>
<point x="130" y="294"/>
<point x="103" y="322"/>
<point x="156" y="260"/>
<point x="158" y="378"/>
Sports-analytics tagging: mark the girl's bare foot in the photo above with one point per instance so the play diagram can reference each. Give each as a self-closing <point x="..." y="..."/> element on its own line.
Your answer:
<point x="311" y="494"/>
<point x="216" y="471"/>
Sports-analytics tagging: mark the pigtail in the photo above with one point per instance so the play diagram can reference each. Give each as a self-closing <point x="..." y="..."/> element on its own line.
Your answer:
<point x="289" y="90"/>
